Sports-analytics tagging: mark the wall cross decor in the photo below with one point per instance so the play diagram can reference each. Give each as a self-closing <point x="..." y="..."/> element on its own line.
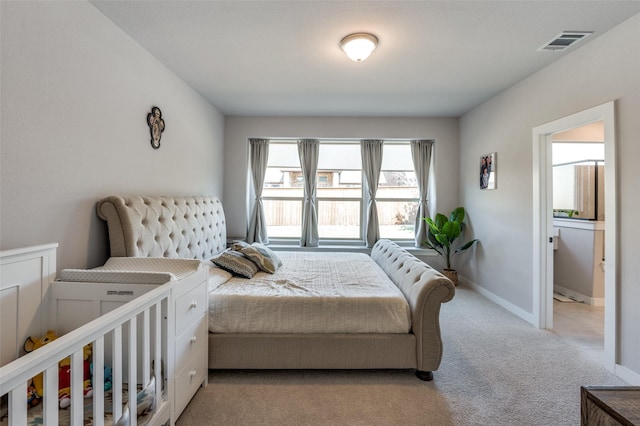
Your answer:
<point x="156" y="126"/>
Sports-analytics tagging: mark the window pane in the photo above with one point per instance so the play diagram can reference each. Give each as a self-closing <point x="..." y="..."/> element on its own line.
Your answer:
<point x="284" y="218"/>
<point x="397" y="178"/>
<point x="339" y="156"/>
<point x="339" y="176"/>
<point x="396" y="156"/>
<point x="339" y="219"/>
<point x="397" y="218"/>
<point x="283" y="177"/>
<point x="397" y="184"/>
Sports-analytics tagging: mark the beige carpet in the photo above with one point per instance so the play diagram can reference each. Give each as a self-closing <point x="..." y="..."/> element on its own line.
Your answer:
<point x="496" y="370"/>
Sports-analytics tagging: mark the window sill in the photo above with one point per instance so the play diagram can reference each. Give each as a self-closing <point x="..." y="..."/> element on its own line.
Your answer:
<point x="419" y="252"/>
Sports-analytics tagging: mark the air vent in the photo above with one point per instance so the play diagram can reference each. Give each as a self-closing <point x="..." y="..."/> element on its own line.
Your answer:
<point x="565" y="39"/>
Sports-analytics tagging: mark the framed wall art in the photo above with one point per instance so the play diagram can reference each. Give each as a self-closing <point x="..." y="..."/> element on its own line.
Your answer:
<point x="488" y="171"/>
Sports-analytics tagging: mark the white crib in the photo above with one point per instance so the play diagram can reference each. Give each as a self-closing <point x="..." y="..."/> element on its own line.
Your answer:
<point x="141" y="329"/>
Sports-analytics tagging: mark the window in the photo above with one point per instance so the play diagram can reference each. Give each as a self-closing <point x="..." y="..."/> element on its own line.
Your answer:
<point x="340" y="203"/>
<point x="397" y="196"/>
<point x="341" y="200"/>
<point x="282" y="191"/>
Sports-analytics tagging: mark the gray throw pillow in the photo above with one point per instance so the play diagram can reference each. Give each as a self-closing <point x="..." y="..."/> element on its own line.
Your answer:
<point x="265" y="258"/>
<point x="238" y="245"/>
<point x="236" y="263"/>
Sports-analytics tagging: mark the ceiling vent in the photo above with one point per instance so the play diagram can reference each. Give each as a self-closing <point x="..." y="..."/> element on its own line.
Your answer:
<point x="565" y="39"/>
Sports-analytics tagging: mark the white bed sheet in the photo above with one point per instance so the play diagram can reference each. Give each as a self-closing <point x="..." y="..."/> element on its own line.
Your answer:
<point x="313" y="292"/>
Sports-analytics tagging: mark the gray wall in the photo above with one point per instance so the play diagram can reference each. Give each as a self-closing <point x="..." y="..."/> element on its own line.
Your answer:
<point x="75" y="94"/>
<point x="239" y="129"/>
<point x="605" y="69"/>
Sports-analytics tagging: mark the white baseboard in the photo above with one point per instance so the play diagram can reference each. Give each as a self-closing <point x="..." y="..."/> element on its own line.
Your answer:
<point x="621" y="371"/>
<point x="519" y="312"/>
<point x="627" y="375"/>
<point x="579" y="297"/>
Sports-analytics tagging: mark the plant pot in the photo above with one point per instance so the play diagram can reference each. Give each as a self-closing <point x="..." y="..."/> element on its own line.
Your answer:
<point x="452" y="274"/>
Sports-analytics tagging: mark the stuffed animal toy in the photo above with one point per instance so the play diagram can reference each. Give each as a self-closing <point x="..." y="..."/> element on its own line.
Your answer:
<point x="64" y="378"/>
<point x="64" y="372"/>
<point x="32" y="397"/>
<point x="107" y="377"/>
<point x="35" y="389"/>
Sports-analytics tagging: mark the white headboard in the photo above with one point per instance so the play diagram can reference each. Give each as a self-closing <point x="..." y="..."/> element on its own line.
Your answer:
<point x="25" y="275"/>
<point x="191" y="227"/>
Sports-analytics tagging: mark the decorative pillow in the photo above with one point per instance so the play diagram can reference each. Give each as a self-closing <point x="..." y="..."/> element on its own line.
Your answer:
<point x="265" y="258"/>
<point x="238" y="245"/>
<point x="236" y="263"/>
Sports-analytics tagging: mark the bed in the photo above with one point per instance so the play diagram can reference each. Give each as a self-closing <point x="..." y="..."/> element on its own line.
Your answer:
<point x="193" y="227"/>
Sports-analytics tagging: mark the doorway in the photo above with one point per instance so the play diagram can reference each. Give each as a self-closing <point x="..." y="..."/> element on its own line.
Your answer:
<point x="578" y="231"/>
<point x="543" y="221"/>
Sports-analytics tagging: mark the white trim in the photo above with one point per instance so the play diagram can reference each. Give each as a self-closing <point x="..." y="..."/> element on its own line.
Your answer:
<point x="27" y="250"/>
<point x="578" y="297"/>
<point x="543" y="221"/>
<point x="519" y="312"/>
<point x="627" y="375"/>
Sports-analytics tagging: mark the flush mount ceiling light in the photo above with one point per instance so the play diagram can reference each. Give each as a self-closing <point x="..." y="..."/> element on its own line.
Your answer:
<point x="359" y="46"/>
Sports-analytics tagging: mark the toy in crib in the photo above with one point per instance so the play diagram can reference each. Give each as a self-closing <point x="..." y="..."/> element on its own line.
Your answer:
<point x="64" y="373"/>
<point x="107" y="377"/>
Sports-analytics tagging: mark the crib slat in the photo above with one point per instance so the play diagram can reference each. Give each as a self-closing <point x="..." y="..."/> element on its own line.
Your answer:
<point x="98" y="381"/>
<point x="117" y="373"/>
<point x="146" y="348"/>
<point x="50" y="400"/>
<point x="133" y="362"/>
<point x="77" y="405"/>
<point x="157" y="355"/>
<point x="18" y="405"/>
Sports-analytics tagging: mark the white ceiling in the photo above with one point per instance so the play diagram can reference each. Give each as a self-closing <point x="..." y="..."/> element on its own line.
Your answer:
<point x="435" y="58"/>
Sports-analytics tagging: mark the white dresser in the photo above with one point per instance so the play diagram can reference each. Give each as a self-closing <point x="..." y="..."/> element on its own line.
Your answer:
<point x="88" y="294"/>
<point x="190" y="357"/>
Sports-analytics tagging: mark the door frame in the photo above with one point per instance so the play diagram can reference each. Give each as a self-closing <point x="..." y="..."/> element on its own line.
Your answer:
<point x="543" y="222"/>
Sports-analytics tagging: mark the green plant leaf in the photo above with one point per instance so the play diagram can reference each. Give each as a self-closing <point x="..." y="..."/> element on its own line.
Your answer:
<point x="440" y="220"/>
<point x="451" y="230"/>
<point x="432" y="238"/>
<point x="467" y="245"/>
<point x="442" y="239"/>
<point x="433" y="228"/>
<point x="457" y="215"/>
<point x="438" y="249"/>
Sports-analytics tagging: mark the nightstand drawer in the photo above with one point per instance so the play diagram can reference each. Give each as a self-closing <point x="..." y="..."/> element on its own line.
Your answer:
<point x="188" y="379"/>
<point x="190" y="306"/>
<point x="192" y="341"/>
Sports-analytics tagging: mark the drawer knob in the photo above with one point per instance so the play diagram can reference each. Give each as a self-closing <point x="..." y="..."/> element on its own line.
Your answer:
<point x="194" y="305"/>
<point x="193" y="339"/>
<point x="192" y="373"/>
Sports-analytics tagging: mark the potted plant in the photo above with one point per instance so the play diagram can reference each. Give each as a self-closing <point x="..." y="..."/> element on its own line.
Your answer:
<point x="442" y="233"/>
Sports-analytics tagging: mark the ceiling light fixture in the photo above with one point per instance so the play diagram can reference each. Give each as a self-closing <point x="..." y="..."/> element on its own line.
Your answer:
<point x="359" y="46"/>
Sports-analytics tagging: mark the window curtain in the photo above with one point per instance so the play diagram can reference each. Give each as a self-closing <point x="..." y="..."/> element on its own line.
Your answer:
<point x="258" y="157"/>
<point x="371" y="151"/>
<point x="421" y="155"/>
<point x="308" y="151"/>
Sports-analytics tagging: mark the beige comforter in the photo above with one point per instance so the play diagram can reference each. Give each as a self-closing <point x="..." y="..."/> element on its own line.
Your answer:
<point x="313" y="292"/>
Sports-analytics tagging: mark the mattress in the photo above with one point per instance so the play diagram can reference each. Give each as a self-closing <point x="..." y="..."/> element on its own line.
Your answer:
<point x="312" y="292"/>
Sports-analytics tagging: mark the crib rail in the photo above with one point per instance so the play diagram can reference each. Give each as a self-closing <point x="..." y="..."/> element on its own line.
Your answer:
<point x="150" y="310"/>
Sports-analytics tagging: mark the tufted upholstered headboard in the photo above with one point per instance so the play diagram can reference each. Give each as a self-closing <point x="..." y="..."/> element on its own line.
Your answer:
<point x="191" y="227"/>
